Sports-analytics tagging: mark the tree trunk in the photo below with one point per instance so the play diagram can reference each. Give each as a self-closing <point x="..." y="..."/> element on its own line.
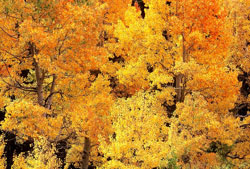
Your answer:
<point x="86" y="153"/>
<point x="179" y="88"/>
<point x="180" y="78"/>
<point x="39" y="79"/>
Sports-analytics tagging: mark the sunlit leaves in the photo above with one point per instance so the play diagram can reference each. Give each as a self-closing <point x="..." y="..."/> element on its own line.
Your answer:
<point x="139" y="134"/>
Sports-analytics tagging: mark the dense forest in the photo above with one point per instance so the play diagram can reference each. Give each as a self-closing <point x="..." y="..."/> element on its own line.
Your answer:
<point x="124" y="84"/>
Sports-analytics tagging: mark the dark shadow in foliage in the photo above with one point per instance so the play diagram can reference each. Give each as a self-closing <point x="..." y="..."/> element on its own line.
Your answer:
<point x="141" y="5"/>
<point x="241" y="110"/>
<point x="185" y="158"/>
<point x="95" y="73"/>
<point x="247" y="43"/>
<point x="61" y="147"/>
<point x="71" y="166"/>
<point x="91" y="166"/>
<point x="166" y="35"/>
<point x="2" y="115"/>
<point x="113" y="82"/>
<point x="13" y="148"/>
<point x="9" y="148"/>
<point x="118" y="59"/>
<point x="220" y="148"/>
<point x="170" y="109"/>
<point x="168" y="3"/>
<point x="245" y="88"/>
<point x="120" y="93"/>
<point x="25" y="148"/>
<point x="13" y="97"/>
<point x="150" y="68"/>
<point x="223" y="150"/>
<point x="24" y="73"/>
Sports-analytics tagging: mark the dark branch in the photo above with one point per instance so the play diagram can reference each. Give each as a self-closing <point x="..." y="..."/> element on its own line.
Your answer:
<point x="48" y="100"/>
<point x="236" y="157"/>
<point x="12" y="36"/>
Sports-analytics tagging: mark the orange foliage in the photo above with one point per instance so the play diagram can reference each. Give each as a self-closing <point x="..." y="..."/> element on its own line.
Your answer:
<point x="125" y="91"/>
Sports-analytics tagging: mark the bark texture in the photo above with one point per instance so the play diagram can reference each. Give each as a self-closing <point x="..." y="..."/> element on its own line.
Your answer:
<point x="86" y="153"/>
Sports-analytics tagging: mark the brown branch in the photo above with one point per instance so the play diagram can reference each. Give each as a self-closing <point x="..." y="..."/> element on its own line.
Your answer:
<point x="12" y="36"/>
<point x="17" y="84"/>
<point x="48" y="101"/>
<point x="12" y="16"/>
<point x="236" y="157"/>
<point x="243" y="115"/>
<point x="25" y="87"/>
<point x="245" y="125"/>
<point x="39" y="78"/>
<point x="51" y="94"/>
<point x="62" y="44"/>
<point x="19" y="87"/>
<point x="15" y="56"/>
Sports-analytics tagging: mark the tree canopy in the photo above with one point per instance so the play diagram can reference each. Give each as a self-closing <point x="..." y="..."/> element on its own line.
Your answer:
<point x="124" y="84"/>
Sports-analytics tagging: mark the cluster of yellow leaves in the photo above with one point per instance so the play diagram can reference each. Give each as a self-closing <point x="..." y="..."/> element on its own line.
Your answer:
<point x="138" y="139"/>
<point x="218" y="85"/>
<point x="63" y="42"/>
<point x="196" y="44"/>
<point x="43" y="156"/>
<point x="89" y="113"/>
<point x="2" y="159"/>
<point x="239" y="22"/>
<point x="31" y="120"/>
<point x="149" y="48"/>
<point x="60" y="42"/>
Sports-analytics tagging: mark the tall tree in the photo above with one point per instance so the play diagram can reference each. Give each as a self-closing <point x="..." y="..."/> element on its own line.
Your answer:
<point x="50" y="61"/>
<point x="180" y="49"/>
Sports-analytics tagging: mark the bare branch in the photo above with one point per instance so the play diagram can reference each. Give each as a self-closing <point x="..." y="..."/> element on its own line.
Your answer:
<point x="12" y="16"/>
<point x="12" y="36"/>
<point x="245" y="125"/>
<point x="243" y="115"/>
<point x="236" y="157"/>
<point x="28" y="89"/>
<point x="16" y="83"/>
<point x="48" y="101"/>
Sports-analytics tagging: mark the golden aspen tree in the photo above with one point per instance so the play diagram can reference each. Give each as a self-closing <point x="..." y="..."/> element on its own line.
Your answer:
<point x="125" y="84"/>
<point x="180" y="49"/>
<point x="238" y="17"/>
<point x="62" y="95"/>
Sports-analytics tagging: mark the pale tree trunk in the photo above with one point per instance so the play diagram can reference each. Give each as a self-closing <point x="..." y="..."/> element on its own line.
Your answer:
<point x="86" y="153"/>
<point x="180" y="78"/>
<point x="179" y="88"/>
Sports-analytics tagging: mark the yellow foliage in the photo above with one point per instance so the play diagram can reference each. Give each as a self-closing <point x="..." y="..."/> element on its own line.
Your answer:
<point x="138" y="133"/>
